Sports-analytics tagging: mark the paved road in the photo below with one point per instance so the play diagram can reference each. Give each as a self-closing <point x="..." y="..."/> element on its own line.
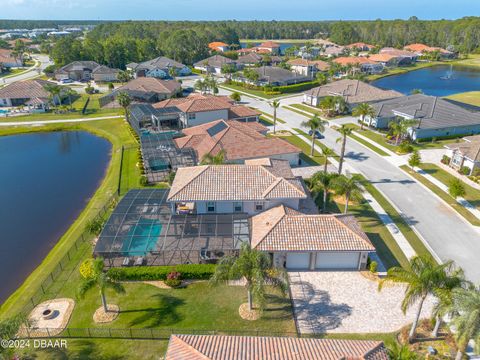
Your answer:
<point x="447" y="233"/>
<point x="33" y="72"/>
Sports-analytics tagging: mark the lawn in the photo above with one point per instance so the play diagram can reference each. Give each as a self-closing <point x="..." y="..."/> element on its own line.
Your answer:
<point x="307" y="108"/>
<point x="469" y="97"/>
<point x="259" y="93"/>
<point x="270" y="117"/>
<point x="316" y="159"/>
<point x="369" y="145"/>
<point x="444" y="196"/>
<point x="472" y="195"/>
<point x="118" y="133"/>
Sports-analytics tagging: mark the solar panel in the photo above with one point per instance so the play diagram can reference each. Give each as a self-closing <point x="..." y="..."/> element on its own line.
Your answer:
<point x="217" y="128"/>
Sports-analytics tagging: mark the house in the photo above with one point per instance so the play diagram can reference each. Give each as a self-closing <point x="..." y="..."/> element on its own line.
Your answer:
<point x="251" y="188"/>
<point x="353" y="91"/>
<point x="238" y="140"/>
<point x="269" y="47"/>
<point x="254" y="59"/>
<point x="218" y="46"/>
<point x="435" y="116"/>
<point x="403" y="57"/>
<point x="387" y="60"/>
<point x="145" y="90"/>
<point x="193" y="110"/>
<point x="465" y="154"/>
<point x="422" y="49"/>
<point x="7" y="60"/>
<point x="160" y="67"/>
<point x="309" y="52"/>
<point x="361" y="63"/>
<point x="360" y="46"/>
<point x="325" y="242"/>
<point x="86" y="71"/>
<point x="225" y="347"/>
<point x="276" y="76"/>
<point x="29" y="93"/>
<point x="308" y="68"/>
<point x="214" y="64"/>
<point x="324" y="43"/>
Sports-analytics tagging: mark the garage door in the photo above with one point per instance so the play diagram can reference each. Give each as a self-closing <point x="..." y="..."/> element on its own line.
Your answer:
<point x="337" y="260"/>
<point x="298" y="260"/>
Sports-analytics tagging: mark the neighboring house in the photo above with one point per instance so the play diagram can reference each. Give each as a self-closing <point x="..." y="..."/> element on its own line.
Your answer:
<point x="325" y="242"/>
<point x="7" y="60"/>
<point x="145" y="90"/>
<point x="30" y="93"/>
<point x="436" y="117"/>
<point x="238" y="140"/>
<point x="218" y="46"/>
<point x="86" y="71"/>
<point x="325" y="43"/>
<point x="270" y="47"/>
<point x="334" y="51"/>
<point x="465" y="154"/>
<point x="422" y="49"/>
<point x="361" y="63"/>
<point x="254" y="187"/>
<point x="254" y="59"/>
<point x="308" y="68"/>
<point x="225" y="347"/>
<point x="404" y="57"/>
<point x="214" y="64"/>
<point x="159" y="67"/>
<point x="192" y="110"/>
<point x="387" y="60"/>
<point x="360" y="46"/>
<point x="309" y="52"/>
<point x="353" y="91"/>
<point x="276" y="76"/>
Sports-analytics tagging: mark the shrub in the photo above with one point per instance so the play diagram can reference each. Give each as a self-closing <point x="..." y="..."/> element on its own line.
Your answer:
<point x="295" y="87"/>
<point x="49" y="70"/>
<point x="405" y="148"/>
<point x="445" y="160"/>
<point x="464" y="170"/>
<point x="95" y="226"/>
<point x="143" y="180"/>
<point x="174" y="279"/>
<point x="143" y="273"/>
<point x="476" y="172"/>
<point x="456" y="188"/>
<point x="373" y="266"/>
<point x="235" y="96"/>
<point x="90" y="90"/>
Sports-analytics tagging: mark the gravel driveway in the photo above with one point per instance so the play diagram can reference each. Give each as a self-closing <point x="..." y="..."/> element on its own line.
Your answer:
<point x="347" y="302"/>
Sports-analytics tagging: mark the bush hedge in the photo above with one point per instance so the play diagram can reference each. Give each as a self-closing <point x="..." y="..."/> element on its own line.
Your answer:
<point x="295" y="87"/>
<point x="143" y="273"/>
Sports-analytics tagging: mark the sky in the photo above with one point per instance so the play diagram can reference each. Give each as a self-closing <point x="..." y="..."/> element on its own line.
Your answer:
<point x="235" y="9"/>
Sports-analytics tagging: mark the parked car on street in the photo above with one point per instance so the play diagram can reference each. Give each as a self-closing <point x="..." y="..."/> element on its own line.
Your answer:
<point x="318" y="134"/>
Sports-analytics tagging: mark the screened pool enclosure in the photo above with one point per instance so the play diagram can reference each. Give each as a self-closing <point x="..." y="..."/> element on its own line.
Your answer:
<point x="143" y="231"/>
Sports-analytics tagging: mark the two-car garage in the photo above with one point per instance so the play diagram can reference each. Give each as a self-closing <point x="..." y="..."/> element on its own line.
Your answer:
<point x="323" y="260"/>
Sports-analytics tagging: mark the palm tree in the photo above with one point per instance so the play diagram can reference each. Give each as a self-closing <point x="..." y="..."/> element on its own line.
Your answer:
<point x="210" y="159"/>
<point x="400" y="128"/>
<point x="350" y="187"/>
<point x="256" y="268"/>
<point x="124" y="100"/>
<point x="275" y="104"/>
<point x="323" y="181"/>
<point x="93" y="274"/>
<point x="340" y="104"/>
<point x="363" y="110"/>
<point x="424" y="277"/>
<point x="328" y="105"/>
<point x="70" y="93"/>
<point x="315" y="124"/>
<point x="398" y="351"/>
<point x="345" y="131"/>
<point x="200" y="86"/>
<point x="326" y="152"/>
<point x="54" y="91"/>
<point x="172" y="72"/>
<point x="466" y="304"/>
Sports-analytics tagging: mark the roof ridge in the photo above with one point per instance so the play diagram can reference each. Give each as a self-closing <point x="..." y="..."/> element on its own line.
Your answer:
<point x="274" y="225"/>
<point x="337" y="216"/>
<point x="271" y="187"/>
<point x="191" y="348"/>
<point x="204" y="168"/>
<point x="373" y="349"/>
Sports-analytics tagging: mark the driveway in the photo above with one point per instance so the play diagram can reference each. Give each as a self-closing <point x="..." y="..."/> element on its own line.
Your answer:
<point x="347" y="302"/>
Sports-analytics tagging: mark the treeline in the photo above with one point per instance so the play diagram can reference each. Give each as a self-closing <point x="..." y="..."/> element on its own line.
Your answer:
<point x="118" y="43"/>
<point x="32" y="24"/>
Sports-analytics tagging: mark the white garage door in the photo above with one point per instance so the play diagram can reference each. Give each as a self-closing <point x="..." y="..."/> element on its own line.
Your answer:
<point x="337" y="260"/>
<point x="298" y="260"/>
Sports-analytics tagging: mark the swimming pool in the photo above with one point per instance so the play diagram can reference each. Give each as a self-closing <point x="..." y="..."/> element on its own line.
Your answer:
<point x="142" y="237"/>
<point x="3" y="112"/>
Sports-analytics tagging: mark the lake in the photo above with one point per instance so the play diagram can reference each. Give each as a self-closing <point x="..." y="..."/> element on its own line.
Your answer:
<point x="441" y="80"/>
<point x="46" y="179"/>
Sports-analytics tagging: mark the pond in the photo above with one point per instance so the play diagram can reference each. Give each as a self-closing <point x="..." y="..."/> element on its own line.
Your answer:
<point x="441" y="80"/>
<point x="46" y="179"/>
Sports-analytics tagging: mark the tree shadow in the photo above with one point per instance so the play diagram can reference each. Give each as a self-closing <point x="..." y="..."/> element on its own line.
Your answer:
<point x="165" y="314"/>
<point x="85" y="349"/>
<point x="359" y="156"/>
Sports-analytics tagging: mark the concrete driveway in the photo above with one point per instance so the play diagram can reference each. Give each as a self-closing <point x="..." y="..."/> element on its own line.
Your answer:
<point x="347" y="302"/>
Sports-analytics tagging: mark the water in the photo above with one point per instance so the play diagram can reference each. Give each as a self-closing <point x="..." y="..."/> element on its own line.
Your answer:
<point x="441" y="80"/>
<point x="46" y="180"/>
<point x="283" y="46"/>
<point x="142" y="238"/>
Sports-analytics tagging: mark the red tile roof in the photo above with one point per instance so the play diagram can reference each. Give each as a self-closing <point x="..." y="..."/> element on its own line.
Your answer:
<point x="6" y="56"/>
<point x="352" y="60"/>
<point x="216" y="44"/>
<point x="222" y="347"/>
<point x="269" y="44"/>
<point x="359" y="45"/>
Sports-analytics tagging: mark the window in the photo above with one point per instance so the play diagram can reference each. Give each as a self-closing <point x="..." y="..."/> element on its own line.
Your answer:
<point x="237" y="207"/>
<point x="191" y="116"/>
<point x="258" y="205"/>
<point x="210" y="206"/>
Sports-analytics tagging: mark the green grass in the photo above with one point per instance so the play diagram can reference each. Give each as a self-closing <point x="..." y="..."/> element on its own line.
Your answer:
<point x="369" y="145"/>
<point x="259" y="93"/>
<point x="472" y="195"/>
<point x="403" y="226"/>
<point x="12" y="72"/>
<point x="118" y="133"/>
<point x="307" y="108"/>
<point x="444" y="196"/>
<point x="316" y="159"/>
<point x="469" y="97"/>
<point x="270" y="117"/>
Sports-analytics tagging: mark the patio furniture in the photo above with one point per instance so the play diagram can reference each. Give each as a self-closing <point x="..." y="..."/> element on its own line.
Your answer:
<point x="139" y="261"/>
<point x="204" y="254"/>
<point x="126" y="261"/>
